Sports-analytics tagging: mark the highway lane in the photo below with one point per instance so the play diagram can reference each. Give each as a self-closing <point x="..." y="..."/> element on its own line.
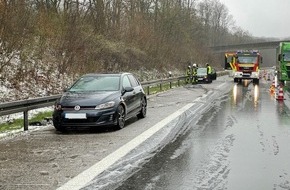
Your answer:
<point x="45" y="159"/>
<point x="241" y="143"/>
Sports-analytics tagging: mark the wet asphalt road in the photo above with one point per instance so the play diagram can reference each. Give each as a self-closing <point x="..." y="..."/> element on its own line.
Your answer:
<point x="241" y="143"/>
<point x="45" y="159"/>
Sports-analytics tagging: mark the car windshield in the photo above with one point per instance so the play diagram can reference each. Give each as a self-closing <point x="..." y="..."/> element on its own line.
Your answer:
<point x="201" y="71"/>
<point x="247" y="59"/>
<point x="96" y="83"/>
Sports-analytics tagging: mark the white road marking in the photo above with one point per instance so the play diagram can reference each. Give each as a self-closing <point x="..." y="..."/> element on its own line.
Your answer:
<point x="82" y="179"/>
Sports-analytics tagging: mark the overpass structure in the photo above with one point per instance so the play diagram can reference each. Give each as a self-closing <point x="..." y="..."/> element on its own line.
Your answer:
<point x="257" y="45"/>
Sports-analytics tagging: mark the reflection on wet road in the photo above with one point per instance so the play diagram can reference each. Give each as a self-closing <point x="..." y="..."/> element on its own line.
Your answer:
<point x="241" y="143"/>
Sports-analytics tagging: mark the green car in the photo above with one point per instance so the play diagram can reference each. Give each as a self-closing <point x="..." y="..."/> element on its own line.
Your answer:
<point x="202" y="75"/>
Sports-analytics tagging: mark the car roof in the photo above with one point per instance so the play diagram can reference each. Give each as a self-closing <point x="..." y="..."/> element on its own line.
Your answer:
<point x="105" y="74"/>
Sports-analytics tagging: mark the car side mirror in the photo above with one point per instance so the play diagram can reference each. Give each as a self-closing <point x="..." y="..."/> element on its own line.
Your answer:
<point x="127" y="89"/>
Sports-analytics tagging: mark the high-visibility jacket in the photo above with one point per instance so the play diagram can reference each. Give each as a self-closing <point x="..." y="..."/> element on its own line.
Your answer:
<point x="194" y="71"/>
<point x="188" y="72"/>
<point x="188" y="75"/>
<point x="209" y="70"/>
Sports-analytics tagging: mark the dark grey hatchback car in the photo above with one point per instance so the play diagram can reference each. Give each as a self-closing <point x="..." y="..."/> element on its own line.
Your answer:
<point x="99" y="100"/>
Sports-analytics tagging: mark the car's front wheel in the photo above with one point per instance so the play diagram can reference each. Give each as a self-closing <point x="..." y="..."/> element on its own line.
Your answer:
<point x="59" y="127"/>
<point x="120" y="117"/>
<point x="143" y="109"/>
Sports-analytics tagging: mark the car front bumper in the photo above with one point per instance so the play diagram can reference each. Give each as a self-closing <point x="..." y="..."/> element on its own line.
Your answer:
<point x="203" y="79"/>
<point x="88" y="118"/>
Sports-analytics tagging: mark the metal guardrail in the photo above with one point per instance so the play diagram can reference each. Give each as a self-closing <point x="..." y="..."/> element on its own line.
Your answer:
<point x="148" y="84"/>
<point x="26" y="105"/>
<point x="35" y="103"/>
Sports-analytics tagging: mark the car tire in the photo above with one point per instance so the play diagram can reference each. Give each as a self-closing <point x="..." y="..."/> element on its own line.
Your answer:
<point x="120" y="117"/>
<point x="256" y="81"/>
<point x="143" y="109"/>
<point x="58" y="127"/>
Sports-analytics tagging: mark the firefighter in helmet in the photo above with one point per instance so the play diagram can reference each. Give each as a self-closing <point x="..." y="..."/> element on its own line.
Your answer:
<point x="194" y="73"/>
<point x="188" y="74"/>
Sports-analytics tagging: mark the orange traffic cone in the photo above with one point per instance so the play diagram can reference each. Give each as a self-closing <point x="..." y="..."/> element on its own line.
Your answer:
<point x="272" y="87"/>
<point x="280" y="94"/>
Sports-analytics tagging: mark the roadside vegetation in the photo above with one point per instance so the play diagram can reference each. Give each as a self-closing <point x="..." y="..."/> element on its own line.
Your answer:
<point x="15" y="124"/>
<point x="46" y="44"/>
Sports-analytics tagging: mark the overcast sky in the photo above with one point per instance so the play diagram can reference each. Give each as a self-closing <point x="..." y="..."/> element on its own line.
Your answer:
<point x="261" y="18"/>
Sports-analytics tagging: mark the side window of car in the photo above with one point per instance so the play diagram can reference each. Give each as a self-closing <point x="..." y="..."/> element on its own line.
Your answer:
<point x="133" y="80"/>
<point x="126" y="82"/>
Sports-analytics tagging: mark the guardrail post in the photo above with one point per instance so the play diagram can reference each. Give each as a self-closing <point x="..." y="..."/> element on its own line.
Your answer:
<point x="160" y="86"/>
<point x="148" y="90"/>
<point x="170" y="84"/>
<point x="25" y="121"/>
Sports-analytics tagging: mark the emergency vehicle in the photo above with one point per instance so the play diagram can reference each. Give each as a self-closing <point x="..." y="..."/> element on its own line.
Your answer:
<point x="244" y="64"/>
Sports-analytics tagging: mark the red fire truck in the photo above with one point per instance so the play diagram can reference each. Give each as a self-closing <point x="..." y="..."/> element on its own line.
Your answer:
<point x="245" y="65"/>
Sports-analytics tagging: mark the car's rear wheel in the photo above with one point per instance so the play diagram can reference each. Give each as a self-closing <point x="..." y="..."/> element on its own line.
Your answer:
<point x="120" y="117"/>
<point x="143" y="110"/>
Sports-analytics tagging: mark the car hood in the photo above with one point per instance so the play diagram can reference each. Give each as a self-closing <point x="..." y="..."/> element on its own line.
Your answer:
<point x="88" y="98"/>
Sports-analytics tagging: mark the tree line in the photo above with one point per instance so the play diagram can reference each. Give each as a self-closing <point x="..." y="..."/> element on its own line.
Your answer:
<point x="79" y="36"/>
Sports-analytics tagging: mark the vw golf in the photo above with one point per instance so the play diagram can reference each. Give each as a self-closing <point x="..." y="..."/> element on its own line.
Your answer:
<point x="99" y="100"/>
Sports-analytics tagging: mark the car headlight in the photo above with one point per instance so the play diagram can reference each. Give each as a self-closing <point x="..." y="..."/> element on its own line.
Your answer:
<point x="105" y="105"/>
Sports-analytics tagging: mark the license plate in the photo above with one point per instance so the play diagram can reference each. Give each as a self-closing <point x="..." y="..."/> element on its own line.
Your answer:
<point x="75" y="116"/>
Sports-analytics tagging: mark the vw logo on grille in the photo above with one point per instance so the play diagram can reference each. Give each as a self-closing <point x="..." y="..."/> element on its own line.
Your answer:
<point x="77" y="107"/>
